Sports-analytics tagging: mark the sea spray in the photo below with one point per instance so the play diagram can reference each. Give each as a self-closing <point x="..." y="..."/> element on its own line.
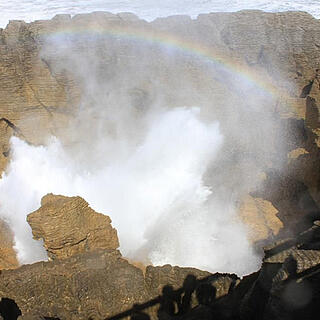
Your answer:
<point x="171" y="178"/>
<point x="154" y="194"/>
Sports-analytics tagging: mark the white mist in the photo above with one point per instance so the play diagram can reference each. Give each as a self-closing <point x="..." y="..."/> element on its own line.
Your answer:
<point x="152" y="188"/>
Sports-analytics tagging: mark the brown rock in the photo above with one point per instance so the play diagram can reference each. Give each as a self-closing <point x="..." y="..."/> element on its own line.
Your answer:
<point x="8" y="257"/>
<point x="261" y="218"/>
<point x="92" y="280"/>
<point x="156" y="277"/>
<point x="39" y="100"/>
<point x="94" y="284"/>
<point x="69" y="226"/>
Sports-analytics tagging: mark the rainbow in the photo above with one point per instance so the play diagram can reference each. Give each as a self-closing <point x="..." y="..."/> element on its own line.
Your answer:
<point x="220" y="59"/>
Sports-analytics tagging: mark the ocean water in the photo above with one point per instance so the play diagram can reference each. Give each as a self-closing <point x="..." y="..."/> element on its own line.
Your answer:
<point x="30" y="10"/>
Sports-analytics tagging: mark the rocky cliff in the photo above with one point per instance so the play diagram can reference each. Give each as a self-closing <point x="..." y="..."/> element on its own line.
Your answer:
<point x="88" y="278"/>
<point x="7" y="253"/>
<point x="40" y="90"/>
<point x="99" y="283"/>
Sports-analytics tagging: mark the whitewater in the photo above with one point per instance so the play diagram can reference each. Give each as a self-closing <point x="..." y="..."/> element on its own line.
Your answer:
<point x="30" y="10"/>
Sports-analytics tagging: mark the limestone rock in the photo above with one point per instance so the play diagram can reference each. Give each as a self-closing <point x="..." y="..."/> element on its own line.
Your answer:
<point x="8" y="257"/>
<point x="261" y="218"/>
<point x="41" y="100"/>
<point x="69" y="226"/>
<point x="174" y="276"/>
<point x="306" y="259"/>
<point x="38" y="100"/>
<point x="39" y="96"/>
<point x="96" y="285"/>
<point x="177" y="277"/>
<point x="87" y="278"/>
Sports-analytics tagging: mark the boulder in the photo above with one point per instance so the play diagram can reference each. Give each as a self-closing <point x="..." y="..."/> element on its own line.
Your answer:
<point x="69" y="226"/>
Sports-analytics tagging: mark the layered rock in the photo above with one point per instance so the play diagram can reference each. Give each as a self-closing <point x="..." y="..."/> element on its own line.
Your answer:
<point x="27" y="92"/>
<point x="69" y="226"/>
<point x="8" y="257"/>
<point x="88" y="278"/>
<point x="96" y="283"/>
<point x="38" y="98"/>
<point x="92" y="279"/>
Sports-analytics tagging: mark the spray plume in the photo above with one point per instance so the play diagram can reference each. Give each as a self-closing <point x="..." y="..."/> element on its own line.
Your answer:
<point x="156" y="146"/>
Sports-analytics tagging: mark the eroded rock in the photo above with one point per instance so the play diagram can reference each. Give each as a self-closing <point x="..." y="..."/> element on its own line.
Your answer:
<point x="8" y="256"/>
<point x="69" y="226"/>
<point x="261" y="218"/>
<point x="93" y="284"/>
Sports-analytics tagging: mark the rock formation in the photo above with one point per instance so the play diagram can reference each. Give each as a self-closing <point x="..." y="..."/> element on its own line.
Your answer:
<point x="98" y="283"/>
<point x="261" y="217"/>
<point x="69" y="226"/>
<point x="288" y="283"/>
<point x="8" y="257"/>
<point x="88" y="278"/>
<point x="37" y="99"/>
<point x="33" y="92"/>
